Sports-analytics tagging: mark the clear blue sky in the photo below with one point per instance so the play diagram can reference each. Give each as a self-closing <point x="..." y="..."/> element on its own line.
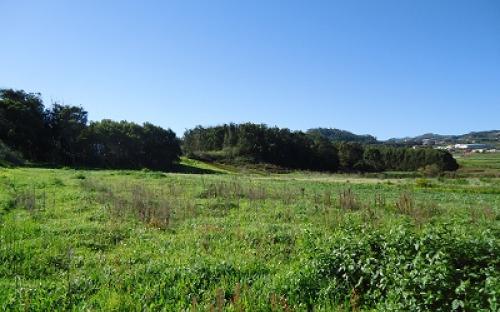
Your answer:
<point x="388" y="68"/>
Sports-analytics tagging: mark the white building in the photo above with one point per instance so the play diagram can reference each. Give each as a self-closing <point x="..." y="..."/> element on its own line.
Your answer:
<point x="474" y="146"/>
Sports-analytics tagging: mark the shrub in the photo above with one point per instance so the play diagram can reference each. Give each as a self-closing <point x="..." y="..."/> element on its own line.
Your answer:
<point x="432" y="170"/>
<point x="436" y="269"/>
<point x="9" y="157"/>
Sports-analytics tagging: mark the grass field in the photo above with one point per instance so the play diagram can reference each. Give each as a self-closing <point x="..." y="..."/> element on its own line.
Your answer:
<point x="141" y="240"/>
<point x="481" y="165"/>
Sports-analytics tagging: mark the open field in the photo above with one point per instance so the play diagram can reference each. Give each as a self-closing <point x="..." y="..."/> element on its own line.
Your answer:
<point x="476" y="164"/>
<point x="143" y="240"/>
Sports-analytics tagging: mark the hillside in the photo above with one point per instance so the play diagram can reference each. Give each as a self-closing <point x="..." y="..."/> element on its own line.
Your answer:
<point x="338" y="135"/>
<point x="488" y="137"/>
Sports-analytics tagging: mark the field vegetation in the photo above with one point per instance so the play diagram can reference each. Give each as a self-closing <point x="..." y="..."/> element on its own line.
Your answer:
<point x="479" y="164"/>
<point x="119" y="240"/>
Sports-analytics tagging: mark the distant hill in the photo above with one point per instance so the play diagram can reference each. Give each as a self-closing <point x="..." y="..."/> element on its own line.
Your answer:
<point x="488" y="137"/>
<point x="337" y="135"/>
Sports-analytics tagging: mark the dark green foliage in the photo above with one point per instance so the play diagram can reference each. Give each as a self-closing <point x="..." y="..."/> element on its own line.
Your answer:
<point x="61" y="136"/>
<point x="160" y="147"/>
<point x="9" y="157"/>
<point x="295" y="149"/>
<point x="437" y="269"/>
<point x="66" y="124"/>
<point x="22" y="123"/>
<point x="259" y="143"/>
<point x="326" y="157"/>
<point x="407" y="159"/>
<point x="373" y="158"/>
<point x="350" y="155"/>
<point x="337" y="135"/>
<point x="123" y="144"/>
<point x="112" y="144"/>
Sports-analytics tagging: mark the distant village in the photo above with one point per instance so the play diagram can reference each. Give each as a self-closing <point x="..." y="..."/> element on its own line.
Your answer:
<point x="460" y="147"/>
<point x="472" y="142"/>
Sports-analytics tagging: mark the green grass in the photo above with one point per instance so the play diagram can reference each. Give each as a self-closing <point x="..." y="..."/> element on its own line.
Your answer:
<point x="141" y="240"/>
<point x="195" y="166"/>
<point x="478" y="164"/>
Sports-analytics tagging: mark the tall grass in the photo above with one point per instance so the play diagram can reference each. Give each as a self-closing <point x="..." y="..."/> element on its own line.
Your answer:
<point x="157" y="207"/>
<point x="128" y="241"/>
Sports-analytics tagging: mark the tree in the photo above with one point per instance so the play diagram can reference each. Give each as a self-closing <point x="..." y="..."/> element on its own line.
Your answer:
<point x="66" y="124"/>
<point x="61" y="136"/>
<point x="22" y="123"/>
<point x="161" y="148"/>
<point x="326" y="155"/>
<point x="128" y="145"/>
<point x="295" y="149"/>
<point x="373" y="159"/>
<point x="113" y="144"/>
<point x="349" y="155"/>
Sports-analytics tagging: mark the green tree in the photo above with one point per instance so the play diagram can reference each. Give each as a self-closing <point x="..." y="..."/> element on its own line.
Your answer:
<point x="161" y="148"/>
<point x="66" y="124"/>
<point x="22" y="123"/>
<point x="128" y="145"/>
<point x="326" y="155"/>
<point x="350" y="154"/>
<point x="373" y="158"/>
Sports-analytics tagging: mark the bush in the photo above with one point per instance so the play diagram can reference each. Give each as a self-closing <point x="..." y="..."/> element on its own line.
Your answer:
<point x="423" y="182"/>
<point x="9" y="157"/>
<point x="437" y="269"/>
<point x="432" y="170"/>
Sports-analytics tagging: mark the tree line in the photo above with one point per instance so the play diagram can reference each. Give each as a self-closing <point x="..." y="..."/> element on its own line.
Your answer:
<point x="62" y="135"/>
<point x="311" y="151"/>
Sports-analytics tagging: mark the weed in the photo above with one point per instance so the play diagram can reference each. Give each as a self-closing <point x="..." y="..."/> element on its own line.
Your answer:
<point x="348" y="201"/>
<point x="128" y="240"/>
<point x="405" y="203"/>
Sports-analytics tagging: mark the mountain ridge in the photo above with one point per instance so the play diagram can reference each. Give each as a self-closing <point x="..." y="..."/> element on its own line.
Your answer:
<point x="486" y="136"/>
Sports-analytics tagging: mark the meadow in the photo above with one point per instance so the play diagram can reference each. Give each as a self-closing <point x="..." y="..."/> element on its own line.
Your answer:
<point x="480" y="165"/>
<point x="229" y="240"/>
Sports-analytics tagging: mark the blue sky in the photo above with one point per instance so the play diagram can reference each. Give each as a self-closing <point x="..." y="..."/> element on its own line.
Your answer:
<point x="387" y="68"/>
